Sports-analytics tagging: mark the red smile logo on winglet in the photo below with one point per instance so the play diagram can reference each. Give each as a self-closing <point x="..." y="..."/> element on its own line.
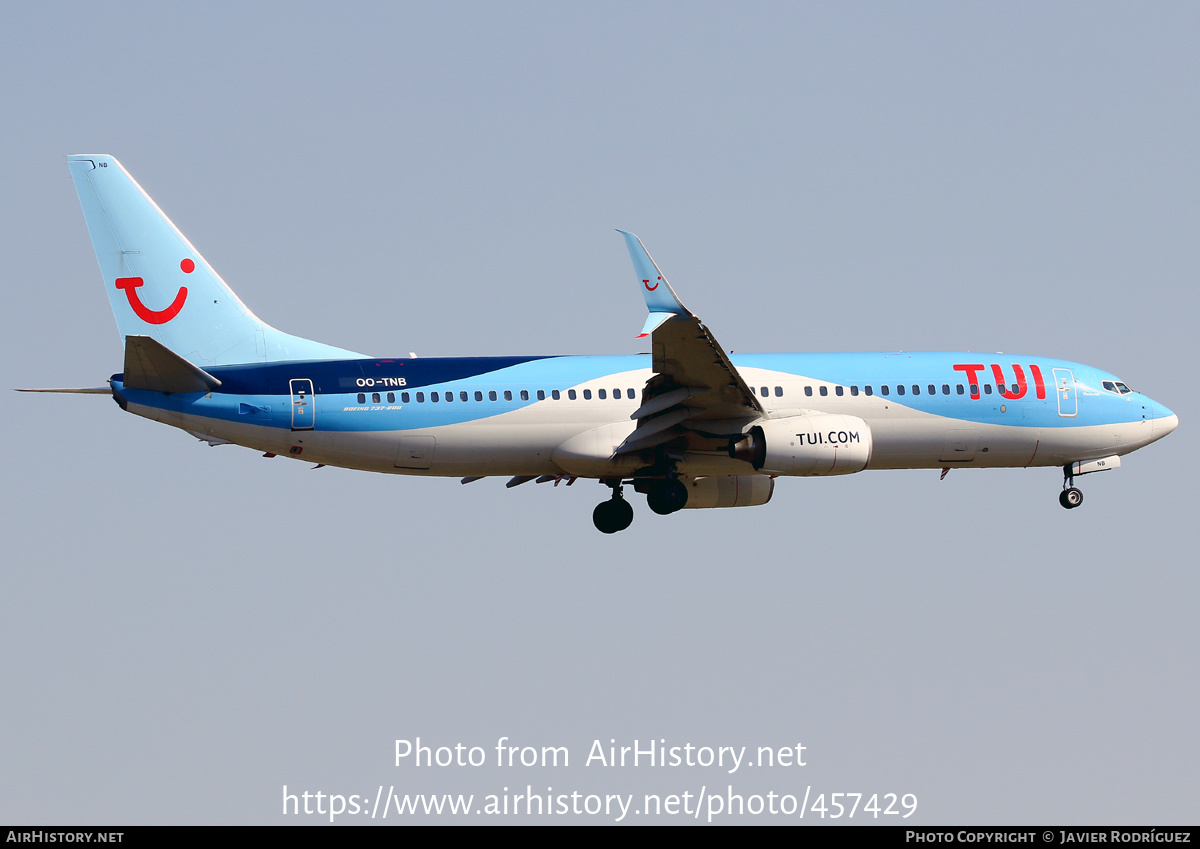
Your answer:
<point x="131" y="284"/>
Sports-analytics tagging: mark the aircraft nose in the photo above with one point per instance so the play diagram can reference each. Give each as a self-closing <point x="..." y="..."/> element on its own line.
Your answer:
<point x="1164" y="420"/>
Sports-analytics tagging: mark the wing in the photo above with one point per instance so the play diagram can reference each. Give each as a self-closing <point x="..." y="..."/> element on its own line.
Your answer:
<point x="696" y="395"/>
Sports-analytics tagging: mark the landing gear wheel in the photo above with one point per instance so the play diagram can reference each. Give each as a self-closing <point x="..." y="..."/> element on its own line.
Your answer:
<point x="1071" y="498"/>
<point x="668" y="497"/>
<point x="613" y="515"/>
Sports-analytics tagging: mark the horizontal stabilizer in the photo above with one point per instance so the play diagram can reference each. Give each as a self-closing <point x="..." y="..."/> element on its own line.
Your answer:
<point x="91" y="390"/>
<point x="154" y="367"/>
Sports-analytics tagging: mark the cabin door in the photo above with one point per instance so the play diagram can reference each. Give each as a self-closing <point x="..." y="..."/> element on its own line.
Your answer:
<point x="303" y="408"/>
<point x="1064" y="385"/>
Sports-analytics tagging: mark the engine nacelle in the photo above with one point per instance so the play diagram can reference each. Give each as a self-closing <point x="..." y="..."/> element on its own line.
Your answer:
<point x="729" y="491"/>
<point x="820" y="444"/>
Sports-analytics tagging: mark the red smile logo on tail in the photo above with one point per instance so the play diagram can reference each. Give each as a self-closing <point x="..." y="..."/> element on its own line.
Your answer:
<point x="131" y="284"/>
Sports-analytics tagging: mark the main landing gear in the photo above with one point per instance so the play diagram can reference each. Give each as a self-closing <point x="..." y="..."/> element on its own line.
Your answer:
<point x="664" y="497"/>
<point x="613" y="515"/>
<point x="667" y="496"/>
<point x="1071" y="496"/>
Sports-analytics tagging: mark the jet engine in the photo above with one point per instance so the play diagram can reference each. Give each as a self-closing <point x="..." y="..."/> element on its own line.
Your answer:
<point x="820" y="444"/>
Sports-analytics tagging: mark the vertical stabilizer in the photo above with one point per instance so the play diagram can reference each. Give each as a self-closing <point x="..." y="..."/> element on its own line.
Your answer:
<point x="160" y="286"/>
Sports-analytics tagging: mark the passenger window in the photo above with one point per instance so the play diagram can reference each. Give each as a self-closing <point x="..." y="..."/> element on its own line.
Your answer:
<point x="884" y="390"/>
<point x="404" y="396"/>
<point x="362" y="398"/>
<point x="763" y="392"/>
<point x="854" y="390"/>
<point x="808" y="391"/>
<point x="916" y="389"/>
<point x="778" y="391"/>
<point x="899" y="388"/>
<point x="974" y="390"/>
<point x="508" y="395"/>
<point x="602" y="394"/>
<point x="837" y="390"/>
<point x="945" y="388"/>
<point x="959" y="388"/>
<point x="868" y="390"/>
<point x="824" y="390"/>
<point x="932" y="389"/>
<point x="433" y="396"/>
<point x="374" y="397"/>
<point x="478" y="395"/>
<point x="462" y="396"/>
<point x="587" y="395"/>
<point x="449" y="397"/>
<point x="987" y="389"/>
<point x="492" y="395"/>
<point x="555" y="394"/>
<point x="420" y="397"/>
<point x="629" y="394"/>
<point x="571" y="394"/>
<point x="541" y="395"/>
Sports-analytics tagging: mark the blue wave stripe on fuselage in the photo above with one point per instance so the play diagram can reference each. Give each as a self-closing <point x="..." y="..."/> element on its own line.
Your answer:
<point x="336" y="383"/>
<point x="331" y="377"/>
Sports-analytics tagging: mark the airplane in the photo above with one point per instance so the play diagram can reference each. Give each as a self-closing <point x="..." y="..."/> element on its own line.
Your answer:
<point x="687" y="425"/>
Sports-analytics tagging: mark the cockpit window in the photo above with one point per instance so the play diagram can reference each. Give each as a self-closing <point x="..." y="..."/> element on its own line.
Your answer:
<point x="1122" y="388"/>
<point x="1117" y="387"/>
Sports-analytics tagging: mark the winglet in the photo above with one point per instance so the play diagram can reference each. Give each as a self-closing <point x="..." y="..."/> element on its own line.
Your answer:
<point x="653" y="321"/>
<point x="661" y="299"/>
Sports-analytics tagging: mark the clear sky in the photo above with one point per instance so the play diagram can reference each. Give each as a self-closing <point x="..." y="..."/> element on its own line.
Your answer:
<point x="186" y="630"/>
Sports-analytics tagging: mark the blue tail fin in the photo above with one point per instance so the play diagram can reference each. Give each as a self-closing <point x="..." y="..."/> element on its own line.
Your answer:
<point x="159" y="285"/>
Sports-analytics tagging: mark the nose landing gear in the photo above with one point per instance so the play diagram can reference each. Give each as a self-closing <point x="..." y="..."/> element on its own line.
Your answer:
<point x="1071" y="496"/>
<point x="613" y="515"/>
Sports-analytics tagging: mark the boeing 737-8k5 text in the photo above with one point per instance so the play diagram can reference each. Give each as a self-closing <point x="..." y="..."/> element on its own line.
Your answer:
<point x="687" y="425"/>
